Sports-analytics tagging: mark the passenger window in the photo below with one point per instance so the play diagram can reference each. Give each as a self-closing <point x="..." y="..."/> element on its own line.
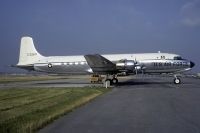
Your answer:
<point x="162" y="57"/>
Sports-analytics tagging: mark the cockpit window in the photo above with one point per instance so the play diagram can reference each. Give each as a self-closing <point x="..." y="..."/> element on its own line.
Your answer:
<point x="177" y="58"/>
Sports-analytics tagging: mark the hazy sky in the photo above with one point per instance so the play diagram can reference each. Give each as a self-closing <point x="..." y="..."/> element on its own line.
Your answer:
<point x="70" y="27"/>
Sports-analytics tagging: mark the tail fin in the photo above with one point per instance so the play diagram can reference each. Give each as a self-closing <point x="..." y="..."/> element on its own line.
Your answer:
<point x="28" y="53"/>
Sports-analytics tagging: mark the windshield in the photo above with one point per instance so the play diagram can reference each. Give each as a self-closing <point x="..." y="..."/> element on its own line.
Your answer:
<point x="177" y="58"/>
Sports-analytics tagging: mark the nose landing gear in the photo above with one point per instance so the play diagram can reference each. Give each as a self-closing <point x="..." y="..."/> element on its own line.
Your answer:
<point x="177" y="80"/>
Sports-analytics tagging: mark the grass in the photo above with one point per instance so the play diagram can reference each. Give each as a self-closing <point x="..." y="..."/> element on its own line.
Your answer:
<point x="27" y="110"/>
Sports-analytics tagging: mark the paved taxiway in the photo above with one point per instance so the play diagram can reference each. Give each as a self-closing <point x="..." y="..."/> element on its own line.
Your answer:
<point x="149" y="105"/>
<point x="66" y="81"/>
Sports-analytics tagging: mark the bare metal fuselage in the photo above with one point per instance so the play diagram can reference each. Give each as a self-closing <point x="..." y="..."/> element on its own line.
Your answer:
<point x="145" y="66"/>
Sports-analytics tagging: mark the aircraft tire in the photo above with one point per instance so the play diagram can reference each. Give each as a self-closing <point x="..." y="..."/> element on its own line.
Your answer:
<point x="177" y="81"/>
<point x="114" y="81"/>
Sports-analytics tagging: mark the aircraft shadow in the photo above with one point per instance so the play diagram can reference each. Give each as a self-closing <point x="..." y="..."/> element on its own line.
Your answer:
<point x="139" y="82"/>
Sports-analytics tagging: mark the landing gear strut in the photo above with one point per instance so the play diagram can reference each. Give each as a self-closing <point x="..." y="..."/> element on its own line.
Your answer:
<point x="177" y="80"/>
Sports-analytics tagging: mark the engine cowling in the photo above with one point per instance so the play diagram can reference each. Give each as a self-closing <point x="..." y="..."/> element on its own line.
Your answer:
<point x="126" y="65"/>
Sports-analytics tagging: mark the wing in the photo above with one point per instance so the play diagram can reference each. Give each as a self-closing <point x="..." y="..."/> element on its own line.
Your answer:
<point x="100" y="64"/>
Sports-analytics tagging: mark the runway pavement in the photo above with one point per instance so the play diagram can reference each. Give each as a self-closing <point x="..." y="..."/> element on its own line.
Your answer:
<point x="139" y="105"/>
<point x="67" y="81"/>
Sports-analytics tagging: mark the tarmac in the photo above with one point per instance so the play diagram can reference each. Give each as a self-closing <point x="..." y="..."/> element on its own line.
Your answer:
<point x="149" y="104"/>
<point x="67" y="81"/>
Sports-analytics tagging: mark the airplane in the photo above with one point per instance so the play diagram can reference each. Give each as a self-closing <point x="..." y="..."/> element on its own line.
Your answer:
<point x="109" y="65"/>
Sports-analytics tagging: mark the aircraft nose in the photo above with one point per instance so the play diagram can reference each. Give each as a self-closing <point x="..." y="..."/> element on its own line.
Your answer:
<point x="192" y="64"/>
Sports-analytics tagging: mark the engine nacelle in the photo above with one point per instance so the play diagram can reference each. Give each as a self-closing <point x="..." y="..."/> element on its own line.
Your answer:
<point x="126" y="65"/>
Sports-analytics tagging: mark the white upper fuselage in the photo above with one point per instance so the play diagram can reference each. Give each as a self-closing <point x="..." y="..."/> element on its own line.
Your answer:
<point x="111" y="57"/>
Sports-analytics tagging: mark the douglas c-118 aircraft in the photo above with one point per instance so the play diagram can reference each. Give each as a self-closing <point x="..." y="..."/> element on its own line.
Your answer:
<point x="109" y="65"/>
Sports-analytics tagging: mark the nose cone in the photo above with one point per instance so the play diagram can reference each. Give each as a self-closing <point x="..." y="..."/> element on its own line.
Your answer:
<point x="192" y="64"/>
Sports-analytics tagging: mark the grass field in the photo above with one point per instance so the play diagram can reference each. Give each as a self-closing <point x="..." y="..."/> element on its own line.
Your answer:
<point x="27" y="110"/>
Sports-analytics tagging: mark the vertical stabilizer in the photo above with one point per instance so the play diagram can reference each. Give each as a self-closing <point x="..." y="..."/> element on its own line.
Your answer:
<point x="28" y="53"/>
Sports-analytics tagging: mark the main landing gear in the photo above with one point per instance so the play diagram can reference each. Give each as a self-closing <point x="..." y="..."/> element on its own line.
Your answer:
<point x="112" y="80"/>
<point x="177" y="80"/>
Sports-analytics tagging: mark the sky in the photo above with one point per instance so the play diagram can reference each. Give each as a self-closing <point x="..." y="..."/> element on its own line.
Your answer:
<point x="78" y="27"/>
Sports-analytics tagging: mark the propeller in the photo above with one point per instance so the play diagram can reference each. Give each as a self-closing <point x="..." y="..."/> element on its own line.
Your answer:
<point x="138" y="67"/>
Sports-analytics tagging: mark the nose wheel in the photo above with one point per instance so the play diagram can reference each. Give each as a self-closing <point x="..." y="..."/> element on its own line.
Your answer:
<point x="177" y="80"/>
